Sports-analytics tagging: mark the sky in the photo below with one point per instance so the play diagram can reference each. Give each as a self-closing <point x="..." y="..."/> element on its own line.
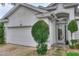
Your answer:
<point x="7" y="7"/>
<point x="42" y="4"/>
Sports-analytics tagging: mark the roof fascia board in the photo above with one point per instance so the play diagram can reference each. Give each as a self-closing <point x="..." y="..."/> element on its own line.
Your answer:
<point x="69" y="6"/>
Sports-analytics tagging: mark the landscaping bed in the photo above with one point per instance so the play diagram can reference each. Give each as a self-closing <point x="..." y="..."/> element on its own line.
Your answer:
<point x="19" y="50"/>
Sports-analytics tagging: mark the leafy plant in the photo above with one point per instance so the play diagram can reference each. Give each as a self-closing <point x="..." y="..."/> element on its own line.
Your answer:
<point x="40" y="33"/>
<point x="2" y="33"/>
<point x="72" y="54"/>
<point x="71" y="46"/>
<point x="42" y="49"/>
<point x="72" y="27"/>
<point x="77" y="45"/>
<point x="74" y="41"/>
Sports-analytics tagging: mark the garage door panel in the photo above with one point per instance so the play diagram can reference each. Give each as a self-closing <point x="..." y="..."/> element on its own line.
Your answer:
<point x="21" y="36"/>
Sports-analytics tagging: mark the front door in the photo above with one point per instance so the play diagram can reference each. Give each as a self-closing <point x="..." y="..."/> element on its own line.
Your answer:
<point x="61" y="33"/>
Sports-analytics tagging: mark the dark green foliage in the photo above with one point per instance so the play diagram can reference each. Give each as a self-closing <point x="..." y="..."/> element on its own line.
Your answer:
<point x="77" y="45"/>
<point x="71" y="46"/>
<point x="42" y="49"/>
<point x="1" y="33"/>
<point x="72" y="26"/>
<point x="73" y="42"/>
<point x="40" y="31"/>
<point x="72" y="54"/>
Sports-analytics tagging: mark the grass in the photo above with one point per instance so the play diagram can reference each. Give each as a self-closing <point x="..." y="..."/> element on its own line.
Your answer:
<point x="72" y="54"/>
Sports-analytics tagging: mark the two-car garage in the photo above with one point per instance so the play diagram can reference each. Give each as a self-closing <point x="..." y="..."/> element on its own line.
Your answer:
<point x="20" y="35"/>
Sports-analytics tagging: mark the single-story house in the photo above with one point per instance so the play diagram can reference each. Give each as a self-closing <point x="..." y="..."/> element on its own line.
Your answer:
<point x="19" y="20"/>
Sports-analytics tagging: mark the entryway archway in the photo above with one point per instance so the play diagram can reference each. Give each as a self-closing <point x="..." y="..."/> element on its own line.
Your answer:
<point x="61" y="27"/>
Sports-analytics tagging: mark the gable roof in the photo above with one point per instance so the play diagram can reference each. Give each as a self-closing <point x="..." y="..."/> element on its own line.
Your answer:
<point x="66" y="4"/>
<point x="52" y="4"/>
<point x="25" y="5"/>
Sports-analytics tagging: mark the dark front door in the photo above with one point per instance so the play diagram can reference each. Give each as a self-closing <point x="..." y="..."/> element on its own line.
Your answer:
<point x="61" y="33"/>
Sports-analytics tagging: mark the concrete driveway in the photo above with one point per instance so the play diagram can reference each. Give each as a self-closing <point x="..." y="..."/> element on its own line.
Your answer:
<point x="15" y="50"/>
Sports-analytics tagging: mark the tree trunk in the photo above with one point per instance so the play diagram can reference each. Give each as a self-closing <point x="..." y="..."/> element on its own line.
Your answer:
<point x="71" y="39"/>
<point x="71" y="36"/>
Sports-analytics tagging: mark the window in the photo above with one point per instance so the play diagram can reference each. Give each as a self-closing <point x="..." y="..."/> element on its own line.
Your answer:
<point x="59" y="34"/>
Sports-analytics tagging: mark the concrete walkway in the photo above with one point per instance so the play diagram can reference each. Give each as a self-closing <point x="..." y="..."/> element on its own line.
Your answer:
<point x="15" y="50"/>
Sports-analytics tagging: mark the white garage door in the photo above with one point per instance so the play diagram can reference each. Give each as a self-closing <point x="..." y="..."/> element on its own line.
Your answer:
<point x="20" y="36"/>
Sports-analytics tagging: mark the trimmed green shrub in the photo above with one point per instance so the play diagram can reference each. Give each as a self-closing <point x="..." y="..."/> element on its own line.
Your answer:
<point x="77" y="45"/>
<point x="72" y="54"/>
<point x="40" y="33"/>
<point x="74" y="44"/>
<point x="72" y="27"/>
<point x="74" y="41"/>
<point x="42" y="49"/>
<point x="71" y="46"/>
<point x="2" y="33"/>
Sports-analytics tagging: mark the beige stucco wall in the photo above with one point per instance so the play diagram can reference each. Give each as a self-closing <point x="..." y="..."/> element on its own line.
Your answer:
<point x="27" y="18"/>
<point x="22" y="16"/>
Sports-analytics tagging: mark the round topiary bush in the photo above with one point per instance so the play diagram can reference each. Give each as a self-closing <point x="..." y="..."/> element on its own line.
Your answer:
<point x="40" y="31"/>
<point x="72" y="27"/>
